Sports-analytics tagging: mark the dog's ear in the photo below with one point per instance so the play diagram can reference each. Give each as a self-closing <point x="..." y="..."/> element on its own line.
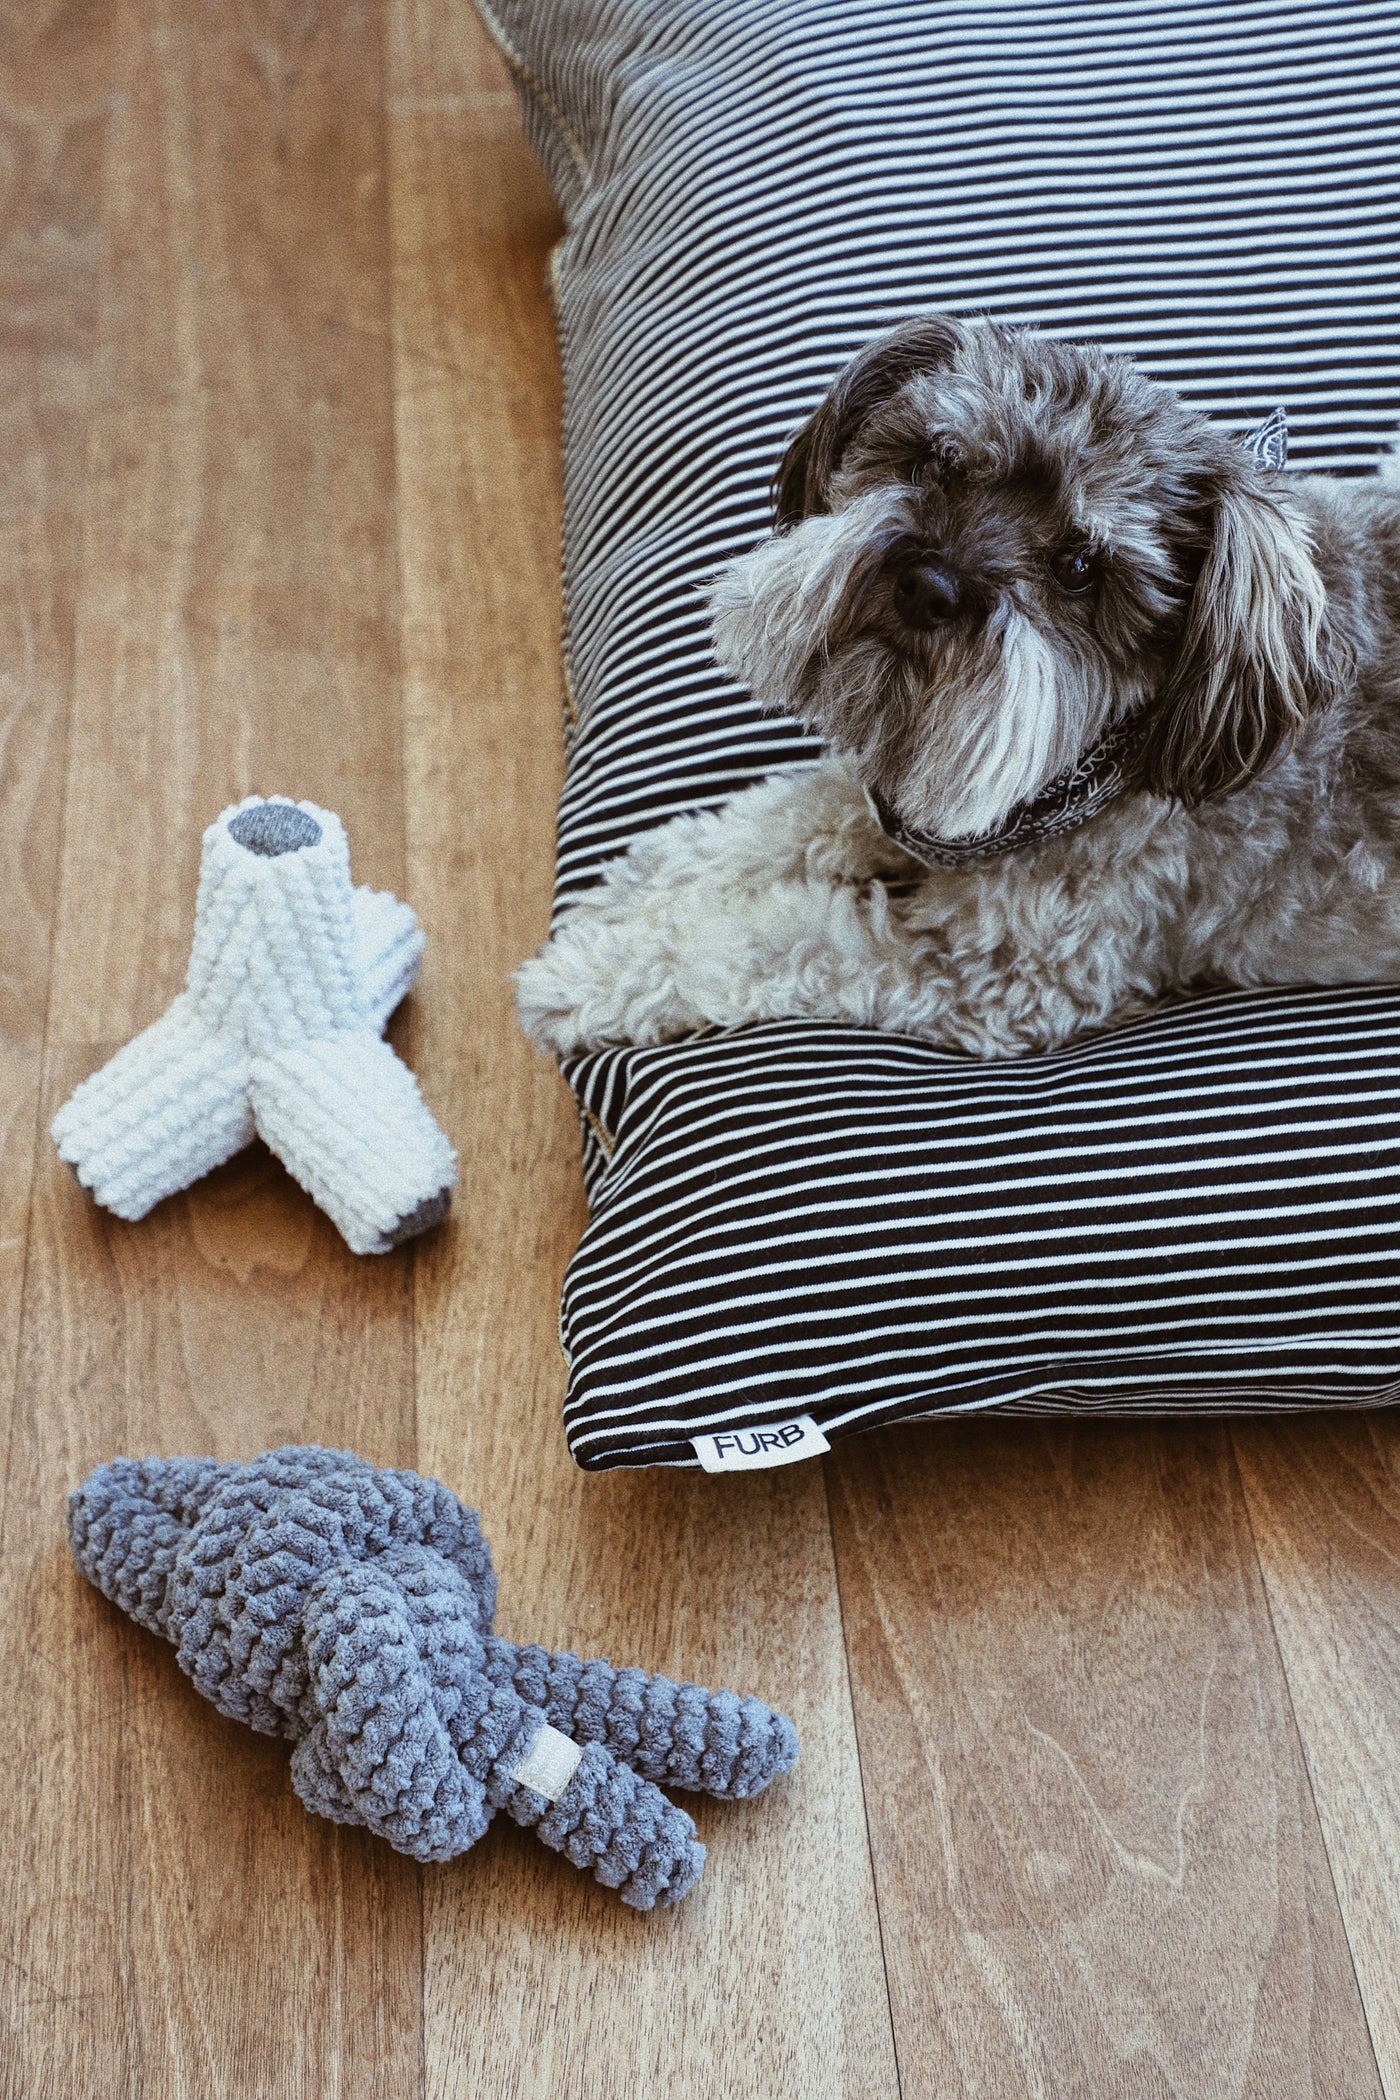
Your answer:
<point x="802" y="485"/>
<point x="1255" y="658"/>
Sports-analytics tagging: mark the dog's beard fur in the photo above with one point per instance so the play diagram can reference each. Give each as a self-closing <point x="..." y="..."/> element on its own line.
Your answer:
<point x="1010" y="732"/>
<point x="958" y="721"/>
<point x="956" y="727"/>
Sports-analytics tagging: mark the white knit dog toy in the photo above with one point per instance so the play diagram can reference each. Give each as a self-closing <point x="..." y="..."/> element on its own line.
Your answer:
<point x="293" y="975"/>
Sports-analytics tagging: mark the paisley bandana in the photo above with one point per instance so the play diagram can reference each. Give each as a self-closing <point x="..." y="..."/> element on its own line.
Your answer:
<point x="1098" y="776"/>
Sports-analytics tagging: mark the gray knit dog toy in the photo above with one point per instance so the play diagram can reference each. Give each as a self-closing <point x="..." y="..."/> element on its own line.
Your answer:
<point x="349" y="1607"/>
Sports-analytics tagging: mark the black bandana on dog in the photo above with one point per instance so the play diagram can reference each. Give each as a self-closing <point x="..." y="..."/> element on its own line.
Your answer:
<point x="1097" y="777"/>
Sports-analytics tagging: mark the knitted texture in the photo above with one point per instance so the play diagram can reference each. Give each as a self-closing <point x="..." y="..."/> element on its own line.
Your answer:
<point x="292" y="976"/>
<point x="349" y="1607"/>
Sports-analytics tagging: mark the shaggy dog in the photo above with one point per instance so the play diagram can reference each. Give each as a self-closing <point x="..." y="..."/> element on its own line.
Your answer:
<point x="1113" y="710"/>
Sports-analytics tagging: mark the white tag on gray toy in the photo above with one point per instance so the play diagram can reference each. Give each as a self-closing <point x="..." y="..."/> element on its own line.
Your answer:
<point x="549" y="1764"/>
<point x="771" y="1444"/>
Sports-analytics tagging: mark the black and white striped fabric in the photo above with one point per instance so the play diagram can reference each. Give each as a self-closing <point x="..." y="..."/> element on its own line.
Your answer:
<point x="828" y="1222"/>
<point x="1198" y="1211"/>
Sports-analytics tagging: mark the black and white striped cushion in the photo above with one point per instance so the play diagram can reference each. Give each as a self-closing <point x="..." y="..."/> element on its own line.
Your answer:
<point x="1201" y="1210"/>
<point x="816" y="1220"/>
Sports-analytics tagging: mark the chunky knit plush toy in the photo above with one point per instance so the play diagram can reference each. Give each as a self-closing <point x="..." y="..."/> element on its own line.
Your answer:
<point x="278" y="1032"/>
<point x="349" y="1607"/>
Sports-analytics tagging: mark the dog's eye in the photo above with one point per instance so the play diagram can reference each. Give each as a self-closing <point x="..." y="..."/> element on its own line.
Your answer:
<point x="1074" y="568"/>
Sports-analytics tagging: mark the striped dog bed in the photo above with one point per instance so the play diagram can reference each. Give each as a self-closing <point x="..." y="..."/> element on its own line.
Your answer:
<point x="798" y="1231"/>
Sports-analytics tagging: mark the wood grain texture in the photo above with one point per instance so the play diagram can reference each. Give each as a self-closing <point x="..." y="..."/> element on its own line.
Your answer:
<point x="1324" y="1497"/>
<point x="52" y="129"/>
<point x="175" y="1923"/>
<point x="238" y="627"/>
<point x="1099" y="1864"/>
<point x="537" y="1983"/>
<point x="52" y="124"/>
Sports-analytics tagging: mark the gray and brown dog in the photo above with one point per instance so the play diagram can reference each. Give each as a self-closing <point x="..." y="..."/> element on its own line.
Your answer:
<point x="1114" y="711"/>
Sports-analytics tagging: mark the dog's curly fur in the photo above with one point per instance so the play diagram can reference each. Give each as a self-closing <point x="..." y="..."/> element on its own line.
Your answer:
<point x="991" y="548"/>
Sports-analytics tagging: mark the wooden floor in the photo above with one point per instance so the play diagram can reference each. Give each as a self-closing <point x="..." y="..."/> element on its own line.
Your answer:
<point x="1099" y="1788"/>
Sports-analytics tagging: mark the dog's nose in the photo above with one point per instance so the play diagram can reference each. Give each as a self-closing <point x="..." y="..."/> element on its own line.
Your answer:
<point x="927" y="593"/>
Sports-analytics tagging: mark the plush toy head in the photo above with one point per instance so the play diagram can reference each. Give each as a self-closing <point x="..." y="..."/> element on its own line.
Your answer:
<point x="349" y="1607"/>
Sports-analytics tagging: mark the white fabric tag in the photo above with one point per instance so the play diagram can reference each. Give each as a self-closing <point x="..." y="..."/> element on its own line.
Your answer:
<point x="549" y="1764"/>
<point x="770" y="1444"/>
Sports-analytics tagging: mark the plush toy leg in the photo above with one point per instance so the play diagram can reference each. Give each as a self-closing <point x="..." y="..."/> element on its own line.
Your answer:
<point x="613" y="1821"/>
<point x="345" y="1117"/>
<point x="171" y="1105"/>
<point x="673" y="1733"/>
<point x="423" y="1769"/>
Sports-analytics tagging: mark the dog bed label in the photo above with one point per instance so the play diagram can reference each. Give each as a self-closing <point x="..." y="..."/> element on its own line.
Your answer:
<point x="549" y="1764"/>
<point x="770" y="1444"/>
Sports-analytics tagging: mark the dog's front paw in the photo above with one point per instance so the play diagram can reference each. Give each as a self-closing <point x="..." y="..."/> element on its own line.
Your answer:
<point x="601" y="981"/>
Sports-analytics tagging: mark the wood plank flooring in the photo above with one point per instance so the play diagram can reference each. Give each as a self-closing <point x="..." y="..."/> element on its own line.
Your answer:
<point x="1097" y="1794"/>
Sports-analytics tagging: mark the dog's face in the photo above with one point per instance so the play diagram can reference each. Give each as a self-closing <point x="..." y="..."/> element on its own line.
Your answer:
<point x="990" y="547"/>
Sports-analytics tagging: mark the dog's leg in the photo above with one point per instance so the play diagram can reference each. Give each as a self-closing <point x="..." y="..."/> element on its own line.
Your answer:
<point x="791" y="903"/>
<point x="766" y="909"/>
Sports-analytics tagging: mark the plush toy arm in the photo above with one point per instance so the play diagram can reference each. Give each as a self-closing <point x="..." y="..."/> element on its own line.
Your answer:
<point x="127" y="1522"/>
<point x="171" y="1105"/>
<point x="388" y="945"/>
<point x="345" y="1117"/>
<point x="674" y="1733"/>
